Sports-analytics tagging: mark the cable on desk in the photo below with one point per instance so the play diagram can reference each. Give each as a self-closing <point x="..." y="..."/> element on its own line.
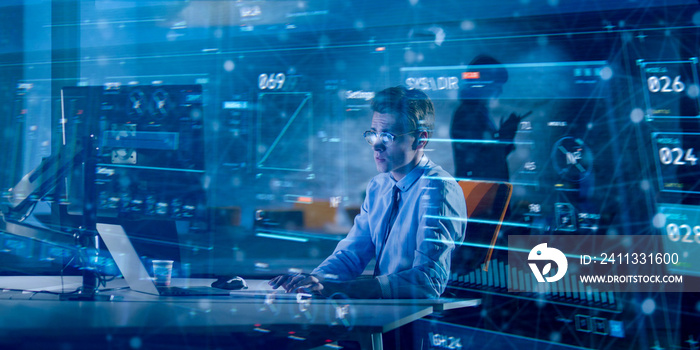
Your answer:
<point x="35" y="292"/>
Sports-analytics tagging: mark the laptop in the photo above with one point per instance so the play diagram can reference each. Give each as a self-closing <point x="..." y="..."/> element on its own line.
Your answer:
<point x="136" y="274"/>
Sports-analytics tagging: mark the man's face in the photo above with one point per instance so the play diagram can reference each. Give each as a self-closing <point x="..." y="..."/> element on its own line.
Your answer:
<point x="401" y="156"/>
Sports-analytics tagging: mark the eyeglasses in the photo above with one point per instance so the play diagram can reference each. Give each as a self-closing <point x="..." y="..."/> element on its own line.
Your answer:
<point x="387" y="138"/>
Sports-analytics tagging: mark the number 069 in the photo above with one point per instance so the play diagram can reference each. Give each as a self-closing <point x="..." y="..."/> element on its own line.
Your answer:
<point x="271" y="82"/>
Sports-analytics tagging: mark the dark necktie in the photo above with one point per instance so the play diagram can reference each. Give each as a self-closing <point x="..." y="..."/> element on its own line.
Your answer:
<point x="395" y="198"/>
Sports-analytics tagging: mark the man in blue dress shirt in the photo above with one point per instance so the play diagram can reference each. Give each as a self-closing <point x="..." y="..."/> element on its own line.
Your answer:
<point x="413" y="213"/>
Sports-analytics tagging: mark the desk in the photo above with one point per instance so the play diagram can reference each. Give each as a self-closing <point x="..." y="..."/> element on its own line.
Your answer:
<point x="145" y="316"/>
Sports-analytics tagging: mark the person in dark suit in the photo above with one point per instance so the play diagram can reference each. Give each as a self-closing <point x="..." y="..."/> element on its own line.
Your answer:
<point x="480" y="147"/>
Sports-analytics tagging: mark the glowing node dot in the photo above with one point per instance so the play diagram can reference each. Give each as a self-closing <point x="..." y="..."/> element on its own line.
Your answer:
<point x="644" y="185"/>
<point x="606" y="73"/>
<point x="693" y="91"/>
<point x="637" y="115"/>
<point x="648" y="306"/>
<point x="135" y="343"/>
<point x="555" y="337"/>
<point x="659" y="220"/>
<point x="207" y="182"/>
<point x="627" y="37"/>
<point x="467" y="25"/>
<point x="229" y="65"/>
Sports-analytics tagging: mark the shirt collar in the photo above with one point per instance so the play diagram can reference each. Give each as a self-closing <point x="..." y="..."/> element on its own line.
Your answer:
<point x="413" y="176"/>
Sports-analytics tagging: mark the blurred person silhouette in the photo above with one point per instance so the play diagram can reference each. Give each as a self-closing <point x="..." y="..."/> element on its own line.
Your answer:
<point x="480" y="148"/>
<point x="407" y="220"/>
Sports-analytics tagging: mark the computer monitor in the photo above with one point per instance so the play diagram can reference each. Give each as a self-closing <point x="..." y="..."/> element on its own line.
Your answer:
<point x="145" y="166"/>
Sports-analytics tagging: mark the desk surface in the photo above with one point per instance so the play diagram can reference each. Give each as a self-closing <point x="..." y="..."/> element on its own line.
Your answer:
<point x="29" y="313"/>
<point x="257" y="290"/>
<point x="193" y="316"/>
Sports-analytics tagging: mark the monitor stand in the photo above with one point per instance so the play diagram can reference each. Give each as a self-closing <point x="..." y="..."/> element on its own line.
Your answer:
<point x="88" y="252"/>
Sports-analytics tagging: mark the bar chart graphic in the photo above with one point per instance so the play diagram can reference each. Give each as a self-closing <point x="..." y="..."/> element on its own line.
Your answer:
<point x="501" y="277"/>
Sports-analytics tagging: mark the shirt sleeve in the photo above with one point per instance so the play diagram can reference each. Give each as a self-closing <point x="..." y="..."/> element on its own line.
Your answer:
<point x="442" y="222"/>
<point x="354" y="252"/>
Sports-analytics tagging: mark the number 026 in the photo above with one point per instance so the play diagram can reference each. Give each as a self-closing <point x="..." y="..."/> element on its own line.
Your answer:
<point x="664" y="84"/>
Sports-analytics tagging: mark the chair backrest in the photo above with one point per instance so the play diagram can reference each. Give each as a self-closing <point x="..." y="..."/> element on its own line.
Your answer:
<point x="487" y="203"/>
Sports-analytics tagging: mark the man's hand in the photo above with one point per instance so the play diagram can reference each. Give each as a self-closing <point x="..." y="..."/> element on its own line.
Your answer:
<point x="306" y="283"/>
<point x="294" y="283"/>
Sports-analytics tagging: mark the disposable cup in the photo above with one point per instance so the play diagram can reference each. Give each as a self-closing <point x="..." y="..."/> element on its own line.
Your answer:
<point x="162" y="271"/>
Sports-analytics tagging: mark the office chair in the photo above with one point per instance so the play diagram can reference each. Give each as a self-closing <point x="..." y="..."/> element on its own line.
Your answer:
<point x="487" y="204"/>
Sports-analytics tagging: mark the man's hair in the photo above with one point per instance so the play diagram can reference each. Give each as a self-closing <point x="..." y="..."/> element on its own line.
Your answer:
<point x="413" y="108"/>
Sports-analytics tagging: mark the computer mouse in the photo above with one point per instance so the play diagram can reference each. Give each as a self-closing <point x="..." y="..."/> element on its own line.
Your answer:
<point x="230" y="283"/>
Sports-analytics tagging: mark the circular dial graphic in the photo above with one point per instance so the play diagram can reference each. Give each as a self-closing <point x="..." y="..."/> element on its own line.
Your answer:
<point x="572" y="159"/>
<point x="137" y="103"/>
<point x="161" y="104"/>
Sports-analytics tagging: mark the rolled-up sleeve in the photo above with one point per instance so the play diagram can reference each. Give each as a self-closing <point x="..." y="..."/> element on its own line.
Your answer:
<point x="353" y="253"/>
